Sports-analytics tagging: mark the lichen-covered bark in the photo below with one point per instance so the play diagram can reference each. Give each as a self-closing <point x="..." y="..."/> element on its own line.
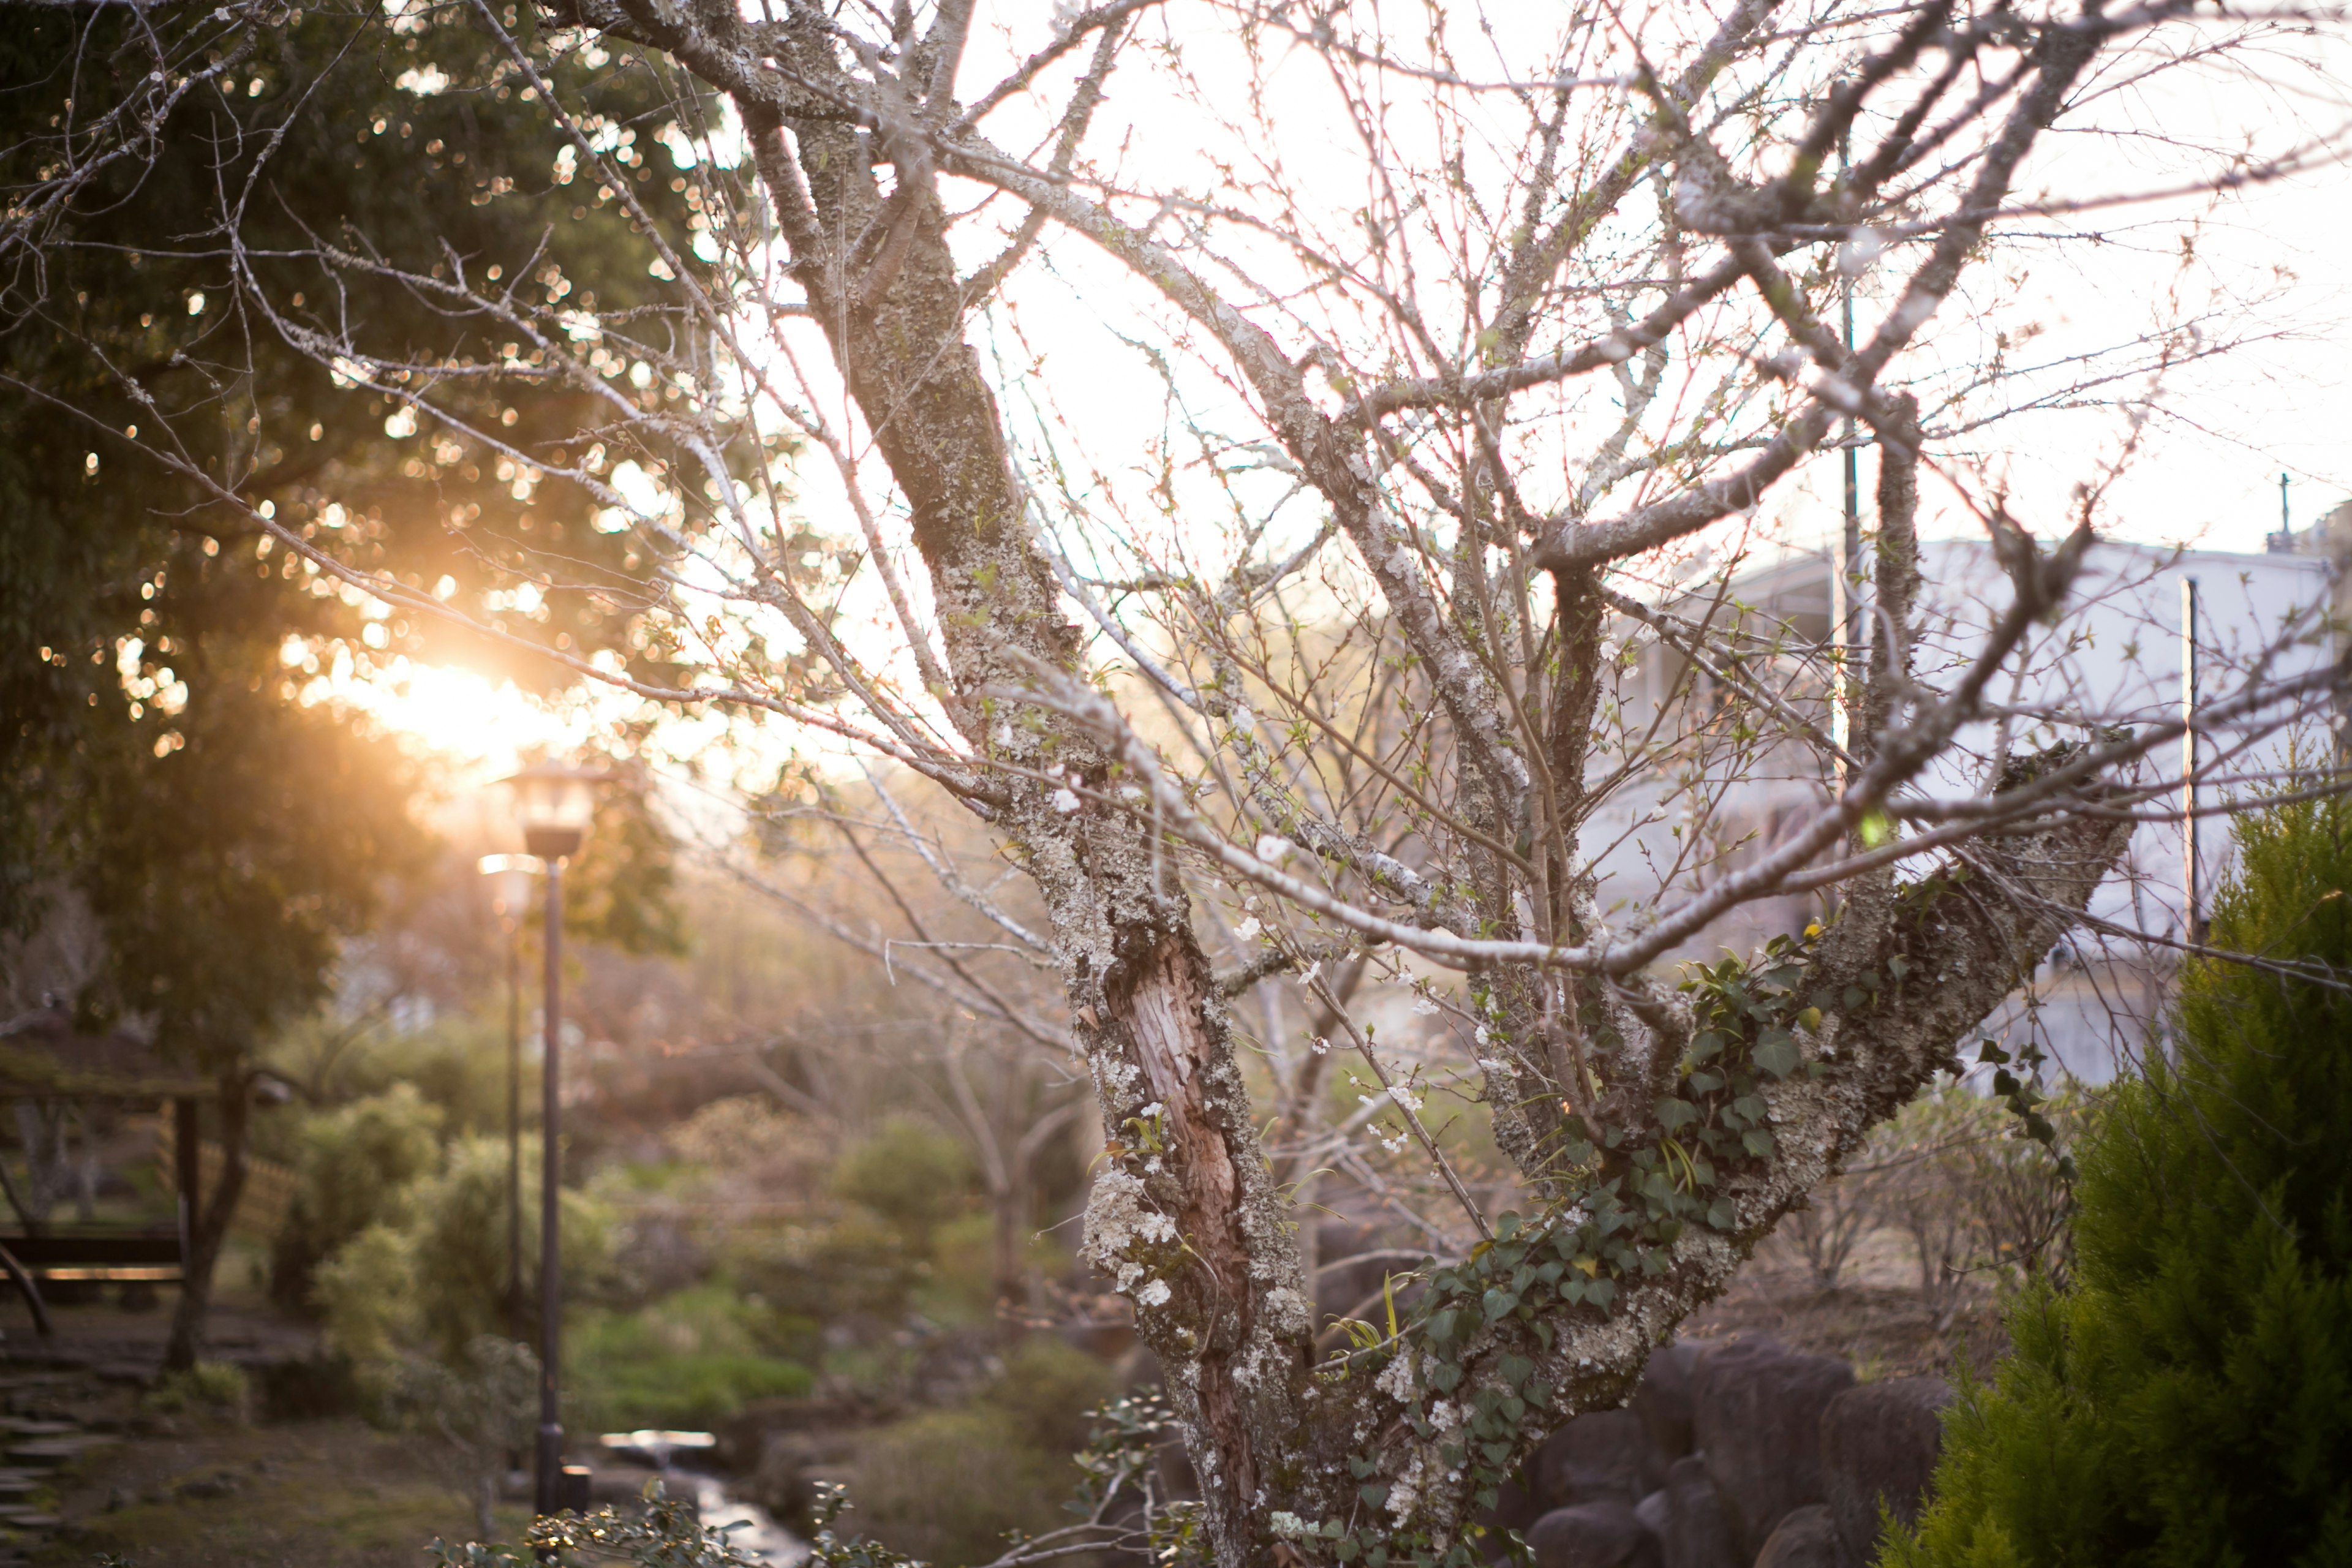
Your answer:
<point x="1186" y="1217"/>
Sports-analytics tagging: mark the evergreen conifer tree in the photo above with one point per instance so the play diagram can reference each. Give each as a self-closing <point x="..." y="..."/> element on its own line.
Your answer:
<point x="2187" y="1399"/>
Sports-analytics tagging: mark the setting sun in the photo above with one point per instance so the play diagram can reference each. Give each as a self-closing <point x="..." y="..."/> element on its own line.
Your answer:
<point x="463" y="718"/>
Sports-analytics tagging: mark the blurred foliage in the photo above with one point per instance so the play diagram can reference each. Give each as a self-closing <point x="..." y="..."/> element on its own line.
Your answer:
<point x="687" y="1360"/>
<point x="948" y="1485"/>
<point x="850" y="1270"/>
<point x="666" y="1533"/>
<point x="863" y="1263"/>
<point x="434" y="1279"/>
<point x="911" y="1175"/>
<point x="622" y="890"/>
<point x="354" y="1168"/>
<point x="483" y="1405"/>
<point x="211" y="1387"/>
<point x="165" y="751"/>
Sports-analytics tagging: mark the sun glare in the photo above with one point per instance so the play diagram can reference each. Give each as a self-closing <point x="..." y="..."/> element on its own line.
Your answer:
<point x="464" y="719"/>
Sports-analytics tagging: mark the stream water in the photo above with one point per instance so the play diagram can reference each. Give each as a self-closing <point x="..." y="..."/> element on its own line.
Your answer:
<point x="751" y="1528"/>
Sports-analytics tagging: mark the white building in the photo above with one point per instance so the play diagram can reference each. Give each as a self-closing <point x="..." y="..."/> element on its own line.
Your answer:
<point x="2114" y="658"/>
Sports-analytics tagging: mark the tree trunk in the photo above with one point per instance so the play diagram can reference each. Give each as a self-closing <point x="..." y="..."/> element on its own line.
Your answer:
<point x="1391" y="1450"/>
<point x="209" y="1227"/>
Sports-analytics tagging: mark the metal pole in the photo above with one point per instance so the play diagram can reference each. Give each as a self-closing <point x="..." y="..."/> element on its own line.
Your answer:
<point x="549" y="1475"/>
<point x="513" y="922"/>
<point x="1844" y="587"/>
<point x="2191" y="893"/>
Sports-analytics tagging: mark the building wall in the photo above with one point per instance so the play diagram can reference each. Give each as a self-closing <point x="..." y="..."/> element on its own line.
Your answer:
<point x="2114" y="659"/>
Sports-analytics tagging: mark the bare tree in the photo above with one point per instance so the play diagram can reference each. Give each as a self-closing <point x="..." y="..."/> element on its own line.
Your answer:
<point x="1464" y="344"/>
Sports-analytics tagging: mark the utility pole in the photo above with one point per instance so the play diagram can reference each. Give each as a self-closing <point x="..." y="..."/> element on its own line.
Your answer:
<point x="2192" y="918"/>
<point x="1845" y="617"/>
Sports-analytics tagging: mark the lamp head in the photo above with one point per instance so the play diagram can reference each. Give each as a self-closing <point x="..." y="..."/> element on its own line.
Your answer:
<point x="511" y="878"/>
<point x="554" y="805"/>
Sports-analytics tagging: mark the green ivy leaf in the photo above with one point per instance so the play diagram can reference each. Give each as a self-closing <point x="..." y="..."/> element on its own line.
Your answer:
<point x="1777" y="1053"/>
<point x="1758" y="1142"/>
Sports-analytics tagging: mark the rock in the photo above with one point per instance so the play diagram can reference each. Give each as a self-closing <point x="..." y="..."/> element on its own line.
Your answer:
<point x="619" y="1483"/>
<point x="780" y="1482"/>
<point x="1879" y="1443"/>
<point x="1653" y="1511"/>
<point x="206" y="1486"/>
<point x="1594" y="1535"/>
<point x="1662" y="1400"/>
<point x="1805" y="1539"/>
<point x="1516" y="1508"/>
<point x="1603" y="1457"/>
<point x="50" y="1453"/>
<point x="1696" y="1534"/>
<point x="1755" y="1413"/>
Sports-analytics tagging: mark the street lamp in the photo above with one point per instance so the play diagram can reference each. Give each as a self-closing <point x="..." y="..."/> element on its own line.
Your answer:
<point x="511" y="878"/>
<point x="554" y="805"/>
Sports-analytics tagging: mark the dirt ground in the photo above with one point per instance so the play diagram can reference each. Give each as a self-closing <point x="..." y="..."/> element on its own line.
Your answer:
<point x="212" y="1490"/>
<point x="214" y="1493"/>
<point x="189" y="1490"/>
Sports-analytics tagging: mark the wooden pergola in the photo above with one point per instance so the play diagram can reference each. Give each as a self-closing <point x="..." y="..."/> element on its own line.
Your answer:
<point x="44" y="1057"/>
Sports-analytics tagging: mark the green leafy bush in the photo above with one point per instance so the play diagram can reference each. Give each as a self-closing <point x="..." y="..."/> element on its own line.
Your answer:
<point x="947" y="1486"/>
<point x="2188" y="1398"/>
<point x="434" y="1280"/>
<point x="214" y="1387"/>
<point x="354" y="1165"/>
<point x="686" y="1361"/>
<point x="911" y="1175"/>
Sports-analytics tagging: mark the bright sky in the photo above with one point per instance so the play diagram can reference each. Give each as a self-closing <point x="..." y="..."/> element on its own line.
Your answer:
<point x="2277" y="405"/>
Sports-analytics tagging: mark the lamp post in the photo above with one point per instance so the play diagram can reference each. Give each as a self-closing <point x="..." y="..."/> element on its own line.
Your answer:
<point x="554" y="805"/>
<point x="509" y="892"/>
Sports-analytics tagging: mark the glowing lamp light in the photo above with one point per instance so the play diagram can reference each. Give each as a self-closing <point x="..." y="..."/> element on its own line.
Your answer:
<point x="554" y="805"/>
<point x="511" y="878"/>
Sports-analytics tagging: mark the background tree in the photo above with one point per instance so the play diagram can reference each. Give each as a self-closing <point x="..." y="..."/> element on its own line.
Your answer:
<point x="1465" y="356"/>
<point x="175" y="760"/>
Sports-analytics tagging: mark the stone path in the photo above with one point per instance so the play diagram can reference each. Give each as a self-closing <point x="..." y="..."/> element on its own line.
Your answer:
<point x="53" y="1411"/>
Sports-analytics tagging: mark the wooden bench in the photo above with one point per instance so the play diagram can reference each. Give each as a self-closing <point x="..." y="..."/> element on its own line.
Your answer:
<point x="122" y="1255"/>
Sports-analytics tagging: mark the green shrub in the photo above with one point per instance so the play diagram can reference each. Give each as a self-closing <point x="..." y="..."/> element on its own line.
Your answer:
<point x="822" y="1274"/>
<point x="355" y="1166"/>
<point x="435" y="1282"/>
<point x="2188" y="1398"/>
<point x="911" y="1175"/>
<point x="215" y="1387"/>
<point x="1048" y="1388"/>
<point x="687" y="1361"/>
<point x="459" y="1225"/>
<point x="946" y="1486"/>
